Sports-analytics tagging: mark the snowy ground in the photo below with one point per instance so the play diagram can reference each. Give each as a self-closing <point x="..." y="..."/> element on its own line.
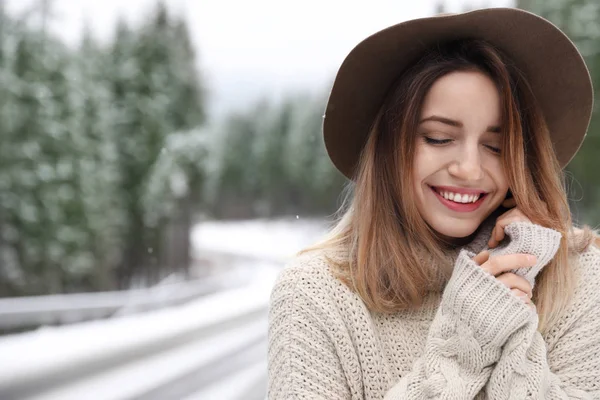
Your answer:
<point x="268" y="245"/>
<point x="267" y="239"/>
<point x="76" y="346"/>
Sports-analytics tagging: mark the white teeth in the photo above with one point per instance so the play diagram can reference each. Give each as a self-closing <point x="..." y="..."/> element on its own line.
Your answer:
<point x="458" y="198"/>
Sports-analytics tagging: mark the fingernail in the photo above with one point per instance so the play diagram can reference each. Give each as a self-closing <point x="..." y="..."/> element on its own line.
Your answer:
<point x="531" y="258"/>
<point x="524" y="299"/>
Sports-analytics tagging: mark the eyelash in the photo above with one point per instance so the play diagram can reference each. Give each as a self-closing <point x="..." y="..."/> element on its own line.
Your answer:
<point x="445" y="141"/>
<point x="436" y="141"/>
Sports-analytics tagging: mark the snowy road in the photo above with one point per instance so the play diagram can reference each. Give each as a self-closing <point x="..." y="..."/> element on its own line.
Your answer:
<point x="211" y="348"/>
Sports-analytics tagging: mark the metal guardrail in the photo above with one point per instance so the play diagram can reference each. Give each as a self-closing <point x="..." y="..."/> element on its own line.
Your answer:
<point x="191" y="351"/>
<point x="23" y="312"/>
<point x="31" y="312"/>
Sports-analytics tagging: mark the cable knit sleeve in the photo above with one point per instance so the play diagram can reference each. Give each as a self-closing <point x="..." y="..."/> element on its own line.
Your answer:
<point x="308" y="352"/>
<point x="529" y="238"/>
<point x="482" y="338"/>
<point x="476" y="317"/>
<point x="567" y="364"/>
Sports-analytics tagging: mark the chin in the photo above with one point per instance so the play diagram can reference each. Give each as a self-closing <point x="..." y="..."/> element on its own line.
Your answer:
<point x="457" y="230"/>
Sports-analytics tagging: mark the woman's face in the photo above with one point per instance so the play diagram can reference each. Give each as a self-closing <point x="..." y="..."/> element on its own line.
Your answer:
<point x="458" y="176"/>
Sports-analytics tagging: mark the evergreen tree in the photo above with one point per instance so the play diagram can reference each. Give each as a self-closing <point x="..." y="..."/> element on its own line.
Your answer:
<point x="235" y="181"/>
<point x="272" y="162"/>
<point x="156" y="93"/>
<point x="43" y="225"/>
<point x="99" y="155"/>
<point x="97" y="170"/>
<point x="316" y="183"/>
<point x="579" y="19"/>
<point x="268" y="148"/>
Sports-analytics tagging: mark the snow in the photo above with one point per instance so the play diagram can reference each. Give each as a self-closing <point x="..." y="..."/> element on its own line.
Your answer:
<point x="243" y="381"/>
<point x="149" y="373"/>
<point x="65" y="348"/>
<point x="268" y="239"/>
<point x="136" y="343"/>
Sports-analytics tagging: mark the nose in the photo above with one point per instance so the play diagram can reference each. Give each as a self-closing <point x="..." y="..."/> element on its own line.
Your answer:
<point x="467" y="166"/>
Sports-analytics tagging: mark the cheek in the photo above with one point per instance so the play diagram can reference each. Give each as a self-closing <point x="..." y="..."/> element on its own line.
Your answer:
<point x="422" y="163"/>
<point x="496" y="171"/>
<point x="428" y="161"/>
<point x="419" y="172"/>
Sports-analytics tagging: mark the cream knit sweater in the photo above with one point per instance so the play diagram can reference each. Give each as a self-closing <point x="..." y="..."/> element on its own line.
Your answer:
<point x="474" y="340"/>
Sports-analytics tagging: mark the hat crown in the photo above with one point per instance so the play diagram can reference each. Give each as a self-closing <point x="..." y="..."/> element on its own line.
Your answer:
<point x="554" y="68"/>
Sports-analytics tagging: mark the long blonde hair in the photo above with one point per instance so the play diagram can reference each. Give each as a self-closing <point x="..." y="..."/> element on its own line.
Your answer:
<point x="381" y="232"/>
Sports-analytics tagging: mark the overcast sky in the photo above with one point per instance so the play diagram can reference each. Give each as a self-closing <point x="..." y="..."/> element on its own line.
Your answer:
<point x="252" y="48"/>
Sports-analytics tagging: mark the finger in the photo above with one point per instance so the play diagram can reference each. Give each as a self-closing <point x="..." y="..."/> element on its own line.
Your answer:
<point x="498" y="233"/>
<point x="481" y="257"/>
<point x="506" y="214"/>
<point x="497" y="265"/>
<point x="514" y="281"/>
<point x="499" y="230"/>
<point x="512" y="213"/>
<point x="509" y="203"/>
<point x="493" y="242"/>
<point x="521" y="295"/>
<point x="515" y="213"/>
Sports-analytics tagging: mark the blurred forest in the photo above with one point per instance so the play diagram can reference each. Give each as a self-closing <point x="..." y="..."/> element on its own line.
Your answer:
<point x="580" y="20"/>
<point x="108" y="157"/>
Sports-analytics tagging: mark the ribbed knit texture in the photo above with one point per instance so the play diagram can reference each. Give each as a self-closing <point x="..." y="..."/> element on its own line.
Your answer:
<point x="526" y="238"/>
<point x="473" y="340"/>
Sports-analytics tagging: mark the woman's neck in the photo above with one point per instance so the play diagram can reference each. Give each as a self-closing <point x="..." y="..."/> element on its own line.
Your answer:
<point x="453" y="242"/>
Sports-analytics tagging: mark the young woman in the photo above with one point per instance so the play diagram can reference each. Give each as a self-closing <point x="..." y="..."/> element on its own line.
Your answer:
<point x="455" y="271"/>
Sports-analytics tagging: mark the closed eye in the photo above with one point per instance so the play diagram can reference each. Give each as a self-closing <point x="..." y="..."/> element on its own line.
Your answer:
<point x="494" y="149"/>
<point x="436" y="141"/>
<point x="445" y="141"/>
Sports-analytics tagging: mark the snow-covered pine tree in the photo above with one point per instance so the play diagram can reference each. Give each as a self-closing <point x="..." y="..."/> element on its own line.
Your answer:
<point x="579" y="19"/>
<point x="98" y="177"/>
<point x="157" y="93"/>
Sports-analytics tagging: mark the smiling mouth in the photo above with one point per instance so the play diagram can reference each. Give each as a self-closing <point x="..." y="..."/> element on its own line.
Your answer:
<point x="461" y="202"/>
<point x="461" y="198"/>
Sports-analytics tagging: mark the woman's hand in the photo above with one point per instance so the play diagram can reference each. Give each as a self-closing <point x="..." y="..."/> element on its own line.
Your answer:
<point x="499" y="266"/>
<point x="513" y="215"/>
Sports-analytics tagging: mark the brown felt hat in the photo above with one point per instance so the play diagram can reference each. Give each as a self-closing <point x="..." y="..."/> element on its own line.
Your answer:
<point x="554" y="68"/>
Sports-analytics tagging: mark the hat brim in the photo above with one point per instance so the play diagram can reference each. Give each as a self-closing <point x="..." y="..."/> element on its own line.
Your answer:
<point x="552" y="64"/>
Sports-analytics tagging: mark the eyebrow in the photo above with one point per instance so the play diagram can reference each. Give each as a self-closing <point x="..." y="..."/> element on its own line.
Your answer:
<point x="456" y="124"/>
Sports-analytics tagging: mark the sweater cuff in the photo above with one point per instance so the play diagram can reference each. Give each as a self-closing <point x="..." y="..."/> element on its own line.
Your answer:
<point x="529" y="238"/>
<point x="476" y="298"/>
